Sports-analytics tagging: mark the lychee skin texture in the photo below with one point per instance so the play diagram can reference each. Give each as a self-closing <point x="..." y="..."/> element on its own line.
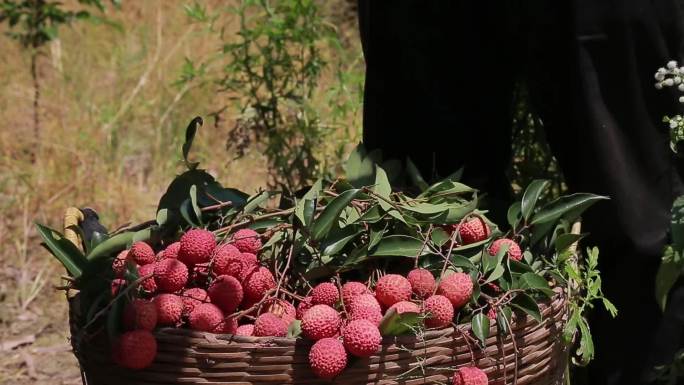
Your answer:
<point x="257" y="283"/>
<point x="169" y="309"/>
<point x="303" y="306"/>
<point x="226" y="293"/>
<point x="405" y="307"/>
<point x="170" y="275"/>
<point x="270" y="325"/>
<point x="457" y="287"/>
<point x="117" y="285"/>
<point x="193" y="297"/>
<point x="171" y="251"/>
<point x="325" y="293"/>
<point x="196" y="246"/>
<point x="247" y="241"/>
<point x="470" y="376"/>
<point x="491" y="314"/>
<point x="148" y="284"/>
<point x="119" y="264"/>
<point x="245" y="330"/>
<point x="392" y="288"/>
<point x="141" y="253"/>
<point x="135" y="349"/>
<point x="206" y="317"/>
<point x="140" y="314"/>
<point x="227" y="260"/>
<point x="440" y="310"/>
<point x="351" y="290"/>
<point x="365" y="306"/>
<point x="321" y="321"/>
<point x="513" y="252"/>
<point x="422" y="282"/>
<point x="473" y="230"/>
<point x="327" y="358"/>
<point x="282" y="309"/>
<point x="361" y="338"/>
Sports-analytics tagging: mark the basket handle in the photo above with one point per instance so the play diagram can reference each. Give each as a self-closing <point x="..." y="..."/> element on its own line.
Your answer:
<point x="72" y="217"/>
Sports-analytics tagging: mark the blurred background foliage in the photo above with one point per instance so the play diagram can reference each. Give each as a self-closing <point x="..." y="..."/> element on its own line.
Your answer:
<point x="279" y="83"/>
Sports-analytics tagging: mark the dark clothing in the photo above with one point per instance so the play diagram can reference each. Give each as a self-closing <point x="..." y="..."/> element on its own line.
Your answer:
<point x="439" y="80"/>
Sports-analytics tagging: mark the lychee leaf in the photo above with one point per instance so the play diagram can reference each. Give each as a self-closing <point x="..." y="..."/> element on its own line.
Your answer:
<point x="399" y="246"/>
<point x="66" y="252"/>
<point x="569" y="206"/>
<point x="415" y="176"/>
<point x="503" y="319"/>
<point x="112" y="245"/>
<point x="564" y="241"/>
<point x="480" y="327"/>
<point x="531" y="196"/>
<point x="439" y="237"/>
<point x="535" y="282"/>
<point x="331" y="214"/>
<point x="513" y="216"/>
<point x="195" y="207"/>
<point x="338" y="239"/>
<point x="372" y="215"/>
<point x="395" y="324"/>
<point x="527" y="304"/>
<point x="382" y="188"/>
<point x="497" y="273"/>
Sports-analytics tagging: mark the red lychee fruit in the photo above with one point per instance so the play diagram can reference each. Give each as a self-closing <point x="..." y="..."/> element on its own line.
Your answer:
<point x="303" y="306"/>
<point x="392" y="288"/>
<point x="327" y="358"/>
<point x="245" y="330"/>
<point x="206" y="317"/>
<point x="196" y="246"/>
<point x="514" y="251"/>
<point x="270" y="325"/>
<point x="325" y="293"/>
<point x="229" y="326"/>
<point x="361" y="338"/>
<point x="352" y="289"/>
<point x="470" y="376"/>
<point x="148" y="284"/>
<point x="171" y="251"/>
<point x="117" y="285"/>
<point x="169" y="309"/>
<point x="457" y="287"/>
<point x="283" y="309"/>
<point x="405" y="307"/>
<point x="258" y="283"/>
<point x="227" y="260"/>
<point x="247" y="241"/>
<point x="170" y="275"/>
<point x="440" y="311"/>
<point x="365" y="306"/>
<point x="473" y="230"/>
<point x="321" y="321"/>
<point x="141" y="253"/>
<point x="491" y="314"/>
<point x="193" y="297"/>
<point x="422" y="282"/>
<point x="140" y="314"/>
<point x="119" y="264"/>
<point x="226" y="293"/>
<point x="135" y="349"/>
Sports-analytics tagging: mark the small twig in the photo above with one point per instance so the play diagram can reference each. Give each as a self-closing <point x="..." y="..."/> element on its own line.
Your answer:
<point x="254" y="307"/>
<point x="287" y="264"/>
<point x="425" y="242"/>
<point x="227" y="229"/>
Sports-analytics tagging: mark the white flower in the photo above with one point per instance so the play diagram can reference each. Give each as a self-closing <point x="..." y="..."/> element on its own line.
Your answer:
<point x="668" y="82"/>
<point x="659" y="77"/>
<point x="677" y="80"/>
<point x="675" y="71"/>
<point x="659" y="86"/>
<point x="662" y="70"/>
<point x="681" y="87"/>
<point x="681" y="99"/>
<point x="672" y="64"/>
<point x="673" y="123"/>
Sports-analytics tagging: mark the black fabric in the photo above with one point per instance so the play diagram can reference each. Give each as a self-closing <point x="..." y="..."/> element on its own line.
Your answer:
<point x="439" y="79"/>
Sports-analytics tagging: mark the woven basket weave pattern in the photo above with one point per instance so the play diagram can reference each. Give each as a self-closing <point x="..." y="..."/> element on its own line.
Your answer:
<point x="188" y="357"/>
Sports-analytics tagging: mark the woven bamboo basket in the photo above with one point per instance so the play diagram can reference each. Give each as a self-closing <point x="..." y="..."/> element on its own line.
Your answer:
<point x="532" y="354"/>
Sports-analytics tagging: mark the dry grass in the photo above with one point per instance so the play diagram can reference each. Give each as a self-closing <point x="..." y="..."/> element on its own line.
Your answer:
<point x="112" y="125"/>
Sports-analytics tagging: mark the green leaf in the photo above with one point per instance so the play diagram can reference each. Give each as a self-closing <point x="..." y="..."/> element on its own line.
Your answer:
<point x="193" y="201"/>
<point x="586" y="342"/>
<point x="569" y="206"/>
<point x="480" y="327"/>
<point x="331" y="214"/>
<point x="162" y="216"/>
<point x="256" y="200"/>
<point x="535" y="282"/>
<point x="399" y="246"/>
<point x="415" y="176"/>
<point x="513" y="215"/>
<point x="360" y="167"/>
<point x="189" y="137"/>
<point x="188" y="214"/>
<point x="564" y="241"/>
<point x="372" y="215"/>
<point x="295" y="329"/>
<point x="425" y="208"/>
<point x="498" y="271"/>
<point x="337" y="240"/>
<point x="677" y="223"/>
<point x="395" y="324"/>
<point x="112" y="245"/>
<point x="531" y="196"/>
<point x="375" y="238"/>
<point x="66" y="252"/>
<point x="303" y="208"/>
<point x="382" y="188"/>
<point x="114" y="317"/>
<point x="461" y="261"/>
<point x="503" y="319"/>
<point x="668" y="273"/>
<point x="439" y="236"/>
<point x="571" y="327"/>
<point x="527" y="304"/>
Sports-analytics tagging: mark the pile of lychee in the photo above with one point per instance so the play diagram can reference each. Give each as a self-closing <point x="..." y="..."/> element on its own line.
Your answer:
<point x="225" y="289"/>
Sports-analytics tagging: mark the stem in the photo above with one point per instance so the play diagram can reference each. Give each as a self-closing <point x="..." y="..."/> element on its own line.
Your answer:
<point x="36" y="95"/>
